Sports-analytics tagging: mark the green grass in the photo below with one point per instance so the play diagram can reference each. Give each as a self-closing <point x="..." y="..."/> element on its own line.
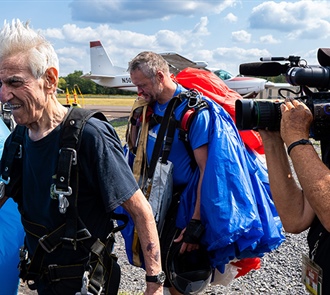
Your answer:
<point x="119" y="122"/>
<point x="92" y="99"/>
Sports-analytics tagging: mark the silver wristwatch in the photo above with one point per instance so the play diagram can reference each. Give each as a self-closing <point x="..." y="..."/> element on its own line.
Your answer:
<point x="159" y="279"/>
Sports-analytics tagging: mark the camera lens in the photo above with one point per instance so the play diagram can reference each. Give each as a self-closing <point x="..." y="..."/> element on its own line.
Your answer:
<point x="257" y="114"/>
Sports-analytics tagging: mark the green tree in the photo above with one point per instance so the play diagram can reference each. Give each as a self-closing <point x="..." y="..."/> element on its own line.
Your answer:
<point x="62" y="83"/>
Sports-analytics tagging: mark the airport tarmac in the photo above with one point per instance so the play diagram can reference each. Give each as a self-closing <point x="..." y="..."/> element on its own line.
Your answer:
<point x="111" y="112"/>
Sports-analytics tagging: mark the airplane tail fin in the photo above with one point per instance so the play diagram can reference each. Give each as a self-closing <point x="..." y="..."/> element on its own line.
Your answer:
<point x="101" y="63"/>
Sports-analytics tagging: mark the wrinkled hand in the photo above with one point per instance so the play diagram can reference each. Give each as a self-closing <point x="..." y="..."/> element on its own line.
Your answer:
<point x="296" y="121"/>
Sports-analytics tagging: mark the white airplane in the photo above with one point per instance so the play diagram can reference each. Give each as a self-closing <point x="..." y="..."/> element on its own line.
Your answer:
<point x="105" y="73"/>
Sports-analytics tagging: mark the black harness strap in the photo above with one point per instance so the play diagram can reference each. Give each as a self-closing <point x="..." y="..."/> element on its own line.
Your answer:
<point x="15" y="151"/>
<point x="10" y="176"/>
<point x="73" y="232"/>
<point x="195" y="104"/>
<point x="161" y="133"/>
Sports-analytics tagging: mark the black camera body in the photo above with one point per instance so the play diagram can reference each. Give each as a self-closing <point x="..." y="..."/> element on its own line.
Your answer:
<point x="261" y="114"/>
<point x="254" y="114"/>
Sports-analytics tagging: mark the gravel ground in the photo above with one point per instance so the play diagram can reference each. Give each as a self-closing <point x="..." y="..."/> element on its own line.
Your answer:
<point x="279" y="274"/>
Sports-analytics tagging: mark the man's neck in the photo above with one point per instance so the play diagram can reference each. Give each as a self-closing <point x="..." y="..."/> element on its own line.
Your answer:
<point x="48" y="122"/>
<point x="168" y="92"/>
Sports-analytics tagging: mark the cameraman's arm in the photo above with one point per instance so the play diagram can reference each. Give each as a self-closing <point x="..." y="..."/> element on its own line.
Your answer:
<point x="295" y="213"/>
<point x="313" y="175"/>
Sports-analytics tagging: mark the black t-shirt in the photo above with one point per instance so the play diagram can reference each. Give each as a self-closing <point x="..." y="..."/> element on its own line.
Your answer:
<point x="105" y="182"/>
<point x="322" y="252"/>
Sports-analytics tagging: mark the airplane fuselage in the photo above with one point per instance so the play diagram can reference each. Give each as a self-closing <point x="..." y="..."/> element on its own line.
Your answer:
<point x="121" y="82"/>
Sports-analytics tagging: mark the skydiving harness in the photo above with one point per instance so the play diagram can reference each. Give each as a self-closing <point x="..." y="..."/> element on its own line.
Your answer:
<point x="101" y="264"/>
<point x="194" y="105"/>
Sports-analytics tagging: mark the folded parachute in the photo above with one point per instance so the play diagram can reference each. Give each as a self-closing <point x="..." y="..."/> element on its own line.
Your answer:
<point x="236" y="205"/>
<point x="214" y="88"/>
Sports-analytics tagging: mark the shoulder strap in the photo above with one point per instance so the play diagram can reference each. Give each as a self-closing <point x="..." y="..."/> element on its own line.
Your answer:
<point x="11" y="163"/>
<point x="195" y="104"/>
<point x="14" y="150"/>
<point x="66" y="183"/>
<point x="72" y="129"/>
<point x="161" y="133"/>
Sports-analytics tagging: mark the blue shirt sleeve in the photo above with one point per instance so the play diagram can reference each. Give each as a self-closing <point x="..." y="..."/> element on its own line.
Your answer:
<point x="200" y="129"/>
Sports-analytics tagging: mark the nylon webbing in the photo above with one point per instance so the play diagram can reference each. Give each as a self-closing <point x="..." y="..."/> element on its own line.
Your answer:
<point x="14" y="151"/>
<point x="161" y="133"/>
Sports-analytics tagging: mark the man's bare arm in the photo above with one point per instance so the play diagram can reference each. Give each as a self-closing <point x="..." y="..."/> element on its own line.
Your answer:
<point x="139" y="209"/>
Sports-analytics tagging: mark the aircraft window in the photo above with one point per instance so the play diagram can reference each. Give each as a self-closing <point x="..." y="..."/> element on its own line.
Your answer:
<point x="223" y="75"/>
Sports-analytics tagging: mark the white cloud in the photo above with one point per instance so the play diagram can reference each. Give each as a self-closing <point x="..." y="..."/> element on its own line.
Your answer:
<point x="116" y="11"/>
<point x="52" y="33"/>
<point x="241" y="36"/>
<point x="269" y="39"/>
<point x="299" y="19"/>
<point x="169" y="39"/>
<point x="231" y="18"/>
<point x="201" y="27"/>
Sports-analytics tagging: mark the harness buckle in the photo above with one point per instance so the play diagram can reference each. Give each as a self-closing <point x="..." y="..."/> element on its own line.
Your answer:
<point x="61" y="192"/>
<point x="52" y="273"/>
<point x="19" y="153"/>
<point x="23" y="254"/>
<point x="63" y="203"/>
<point x="194" y="98"/>
<point x="74" y="152"/>
<point x="44" y="246"/>
<point x="71" y="241"/>
<point x="85" y="234"/>
<point x="4" y="180"/>
<point x="85" y="283"/>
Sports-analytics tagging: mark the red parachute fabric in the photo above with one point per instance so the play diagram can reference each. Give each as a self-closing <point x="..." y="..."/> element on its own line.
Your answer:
<point x="245" y="265"/>
<point x="214" y="88"/>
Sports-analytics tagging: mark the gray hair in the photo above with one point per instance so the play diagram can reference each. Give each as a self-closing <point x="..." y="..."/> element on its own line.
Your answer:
<point x="17" y="37"/>
<point x="149" y="63"/>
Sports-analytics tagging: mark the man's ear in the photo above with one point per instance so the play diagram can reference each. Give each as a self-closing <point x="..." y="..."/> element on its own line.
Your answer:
<point x="160" y="76"/>
<point x="51" y="78"/>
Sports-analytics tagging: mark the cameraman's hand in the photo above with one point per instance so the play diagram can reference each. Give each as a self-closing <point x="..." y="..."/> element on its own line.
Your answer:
<point x="296" y="121"/>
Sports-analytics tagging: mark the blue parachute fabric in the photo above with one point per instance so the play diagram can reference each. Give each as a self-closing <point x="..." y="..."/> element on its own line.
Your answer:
<point x="11" y="235"/>
<point x="128" y="231"/>
<point x="11" y="239"/>
<point x="236" y="207"/>
<point x="128" y="236"/>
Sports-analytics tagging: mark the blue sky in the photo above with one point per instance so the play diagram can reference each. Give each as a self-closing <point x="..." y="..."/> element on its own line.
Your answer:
<point x="222" y="33"/>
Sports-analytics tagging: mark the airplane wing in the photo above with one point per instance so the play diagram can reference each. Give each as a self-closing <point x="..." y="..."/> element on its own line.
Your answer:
<point x="96" y="77"/>
<point x="178" y="62"/>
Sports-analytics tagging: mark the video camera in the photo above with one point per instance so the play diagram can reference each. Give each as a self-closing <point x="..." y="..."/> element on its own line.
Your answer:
<point x="262" y="114"/>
